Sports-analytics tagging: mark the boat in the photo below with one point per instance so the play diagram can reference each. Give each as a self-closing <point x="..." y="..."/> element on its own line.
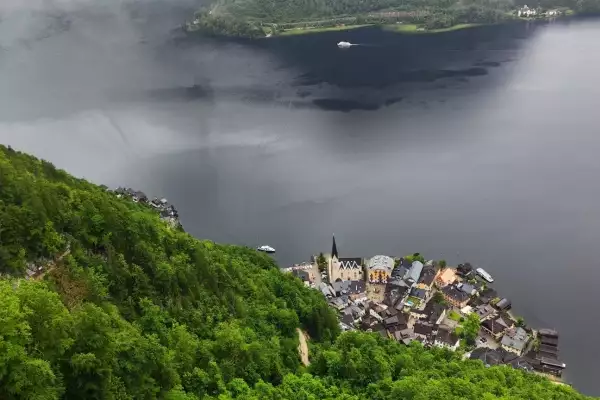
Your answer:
<point x="344" y="45"/>
<point x="266" y="249"/>
<point x="481" y="272"/>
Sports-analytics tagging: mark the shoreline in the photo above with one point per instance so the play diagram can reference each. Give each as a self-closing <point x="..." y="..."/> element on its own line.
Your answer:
<point x="397" y="27"/>
<point x="410" y="299"/>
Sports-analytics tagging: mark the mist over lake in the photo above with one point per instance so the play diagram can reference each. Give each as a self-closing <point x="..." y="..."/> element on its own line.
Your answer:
<point x="476" y="145"/>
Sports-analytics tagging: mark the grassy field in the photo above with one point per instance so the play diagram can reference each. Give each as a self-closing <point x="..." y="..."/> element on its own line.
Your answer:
<point x="453" y="315"/>
<point x="399" y="28"/>
<point x="304" y="31"/>
<point x="415" y="29"/>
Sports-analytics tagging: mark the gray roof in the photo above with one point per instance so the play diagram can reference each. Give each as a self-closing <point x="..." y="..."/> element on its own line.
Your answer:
<point x="446" y="336"/>
<point x="515" y="338"/>
<point x="503" y="304"/>
<point x="349" y="287"/>
<point x="414" y="272"/>
<point x="467" y="288"/>
<point x="420" y="293"/>
<point x="484" y="310"/>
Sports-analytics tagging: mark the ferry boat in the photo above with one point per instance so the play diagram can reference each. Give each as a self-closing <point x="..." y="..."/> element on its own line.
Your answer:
<point x="481" y="272"/>
<point x="266" y="249"/>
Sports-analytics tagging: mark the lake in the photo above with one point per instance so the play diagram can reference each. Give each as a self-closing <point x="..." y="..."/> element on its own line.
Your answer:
<point x="478" y="145"/>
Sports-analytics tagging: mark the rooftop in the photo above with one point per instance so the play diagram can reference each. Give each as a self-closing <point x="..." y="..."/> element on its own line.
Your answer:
<point x="446" y="336"/>
<point x="484" y="311"/>
<point x="454" y="293"/>
<point x="350" y="263"/>
<point x="515" y="338"/>
<point x="383" y="263"/>
<point x="414" y="273"/>
<point x="447" y="276"/>
<point x="349" y="287"/>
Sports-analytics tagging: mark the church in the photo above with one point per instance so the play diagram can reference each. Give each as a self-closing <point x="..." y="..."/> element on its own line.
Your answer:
<point x="345" y="269"/>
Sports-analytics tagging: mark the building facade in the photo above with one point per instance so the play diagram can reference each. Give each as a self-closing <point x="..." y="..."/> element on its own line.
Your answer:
<point x="380" y="269"/>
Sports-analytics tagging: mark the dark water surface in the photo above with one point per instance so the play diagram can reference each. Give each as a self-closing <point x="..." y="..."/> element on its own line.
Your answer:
<point x="478" y="145"/>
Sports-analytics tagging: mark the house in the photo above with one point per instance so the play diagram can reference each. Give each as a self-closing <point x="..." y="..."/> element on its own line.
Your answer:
<point x="405" y="336"/>
<point x="467" y="288"/>
<point x="368" y="322"/>
<point x="446" y="339"/>
<point x="485" y="311"/>
<point x="427" y="277"/>
<point x="526" y="12"/>
<point x="496" y="327"/>
<point x="305" y="276"/>
<point x="399" y="271"/>
<point x="492" y="357"/>
<point x="354" y="289"/>
<point x="348" y="321"/>
<point x="395" y="290"/>
<point x="419" y="293"/>
<point x="338" y="303"/>
<point x="515" y="340"/>
<point x="345" y="269"/>
<point x="380" y="269"/>
<point x="446" y="277"/>
<point x="424" y="329"/>
<point x="356" y="312"/>
<point x="414" y="273"/>
<point x="397" y="322"/>
<point x="464" y="269"/>
<point x="327" y="290"/>
<point x="435" y="312"/>
<point x="140" y="197"/>
<point x="454" y="296"/>
<point x="487" y="295"/>
<point x="503" y="304"/>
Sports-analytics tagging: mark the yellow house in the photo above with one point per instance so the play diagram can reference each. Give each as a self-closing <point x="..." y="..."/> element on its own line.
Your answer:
<point x="380" y="269"/>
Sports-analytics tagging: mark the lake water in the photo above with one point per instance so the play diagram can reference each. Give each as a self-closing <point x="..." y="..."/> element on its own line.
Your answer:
<point x="478" y="145"/>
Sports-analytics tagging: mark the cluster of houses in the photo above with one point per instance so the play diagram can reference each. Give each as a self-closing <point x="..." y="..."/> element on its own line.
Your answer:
<point x="167" y="211"/>
<point x="526" y="12"/>
<point x="421" y="301"/>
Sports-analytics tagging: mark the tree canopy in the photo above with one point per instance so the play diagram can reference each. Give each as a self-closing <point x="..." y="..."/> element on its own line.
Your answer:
<point x="128" y="307"/>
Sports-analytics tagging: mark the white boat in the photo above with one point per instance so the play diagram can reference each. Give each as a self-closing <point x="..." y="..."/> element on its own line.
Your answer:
<point x="344" y="45"/>
<point x="266" y="249"/>
<point x="483" y="273"/>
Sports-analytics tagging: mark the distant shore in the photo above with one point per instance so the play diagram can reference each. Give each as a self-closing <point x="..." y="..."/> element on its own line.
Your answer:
<point x="397" y="28"/>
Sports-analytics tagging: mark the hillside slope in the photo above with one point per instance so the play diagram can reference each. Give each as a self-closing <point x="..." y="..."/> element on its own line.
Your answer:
<point x="129" y="308"/>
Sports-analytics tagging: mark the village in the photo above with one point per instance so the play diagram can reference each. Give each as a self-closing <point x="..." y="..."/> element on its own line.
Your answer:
<point x="167" y="211"/>
<point x="410" y="299"/>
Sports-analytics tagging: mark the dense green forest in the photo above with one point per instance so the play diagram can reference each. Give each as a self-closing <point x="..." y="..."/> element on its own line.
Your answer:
<point x="255" y="18"/>
<point x="127" y="307"/>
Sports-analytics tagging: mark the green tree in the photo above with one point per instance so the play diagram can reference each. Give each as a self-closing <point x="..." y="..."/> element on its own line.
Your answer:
<point x="470" y="328"/>
<point x="321" y="262"/>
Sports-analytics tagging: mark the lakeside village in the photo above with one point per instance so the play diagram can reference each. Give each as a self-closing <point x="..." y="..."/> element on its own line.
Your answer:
<point x="168" y="212"/>
<point x="409" y="299"/>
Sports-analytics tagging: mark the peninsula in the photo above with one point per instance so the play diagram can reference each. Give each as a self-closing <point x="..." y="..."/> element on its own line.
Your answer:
<point x="260" y="18"/>
<point x="408" y="299"/>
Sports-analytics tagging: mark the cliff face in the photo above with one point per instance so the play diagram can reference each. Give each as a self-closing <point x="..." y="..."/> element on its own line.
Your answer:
<point x="101" y="299"/>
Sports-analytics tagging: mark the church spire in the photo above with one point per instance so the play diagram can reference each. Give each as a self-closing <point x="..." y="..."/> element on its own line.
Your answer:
<point x="334" y="251"/>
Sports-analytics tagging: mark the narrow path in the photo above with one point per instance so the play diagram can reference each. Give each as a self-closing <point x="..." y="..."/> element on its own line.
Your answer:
<point x="51" y="265"/>
<point x="303" y="347"/>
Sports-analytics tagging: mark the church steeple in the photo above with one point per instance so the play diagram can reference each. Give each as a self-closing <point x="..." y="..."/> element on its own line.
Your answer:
<point x="334" y="251"/>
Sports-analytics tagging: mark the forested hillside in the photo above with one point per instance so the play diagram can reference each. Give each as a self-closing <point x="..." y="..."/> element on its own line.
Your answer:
<point x="127" y="307"/>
